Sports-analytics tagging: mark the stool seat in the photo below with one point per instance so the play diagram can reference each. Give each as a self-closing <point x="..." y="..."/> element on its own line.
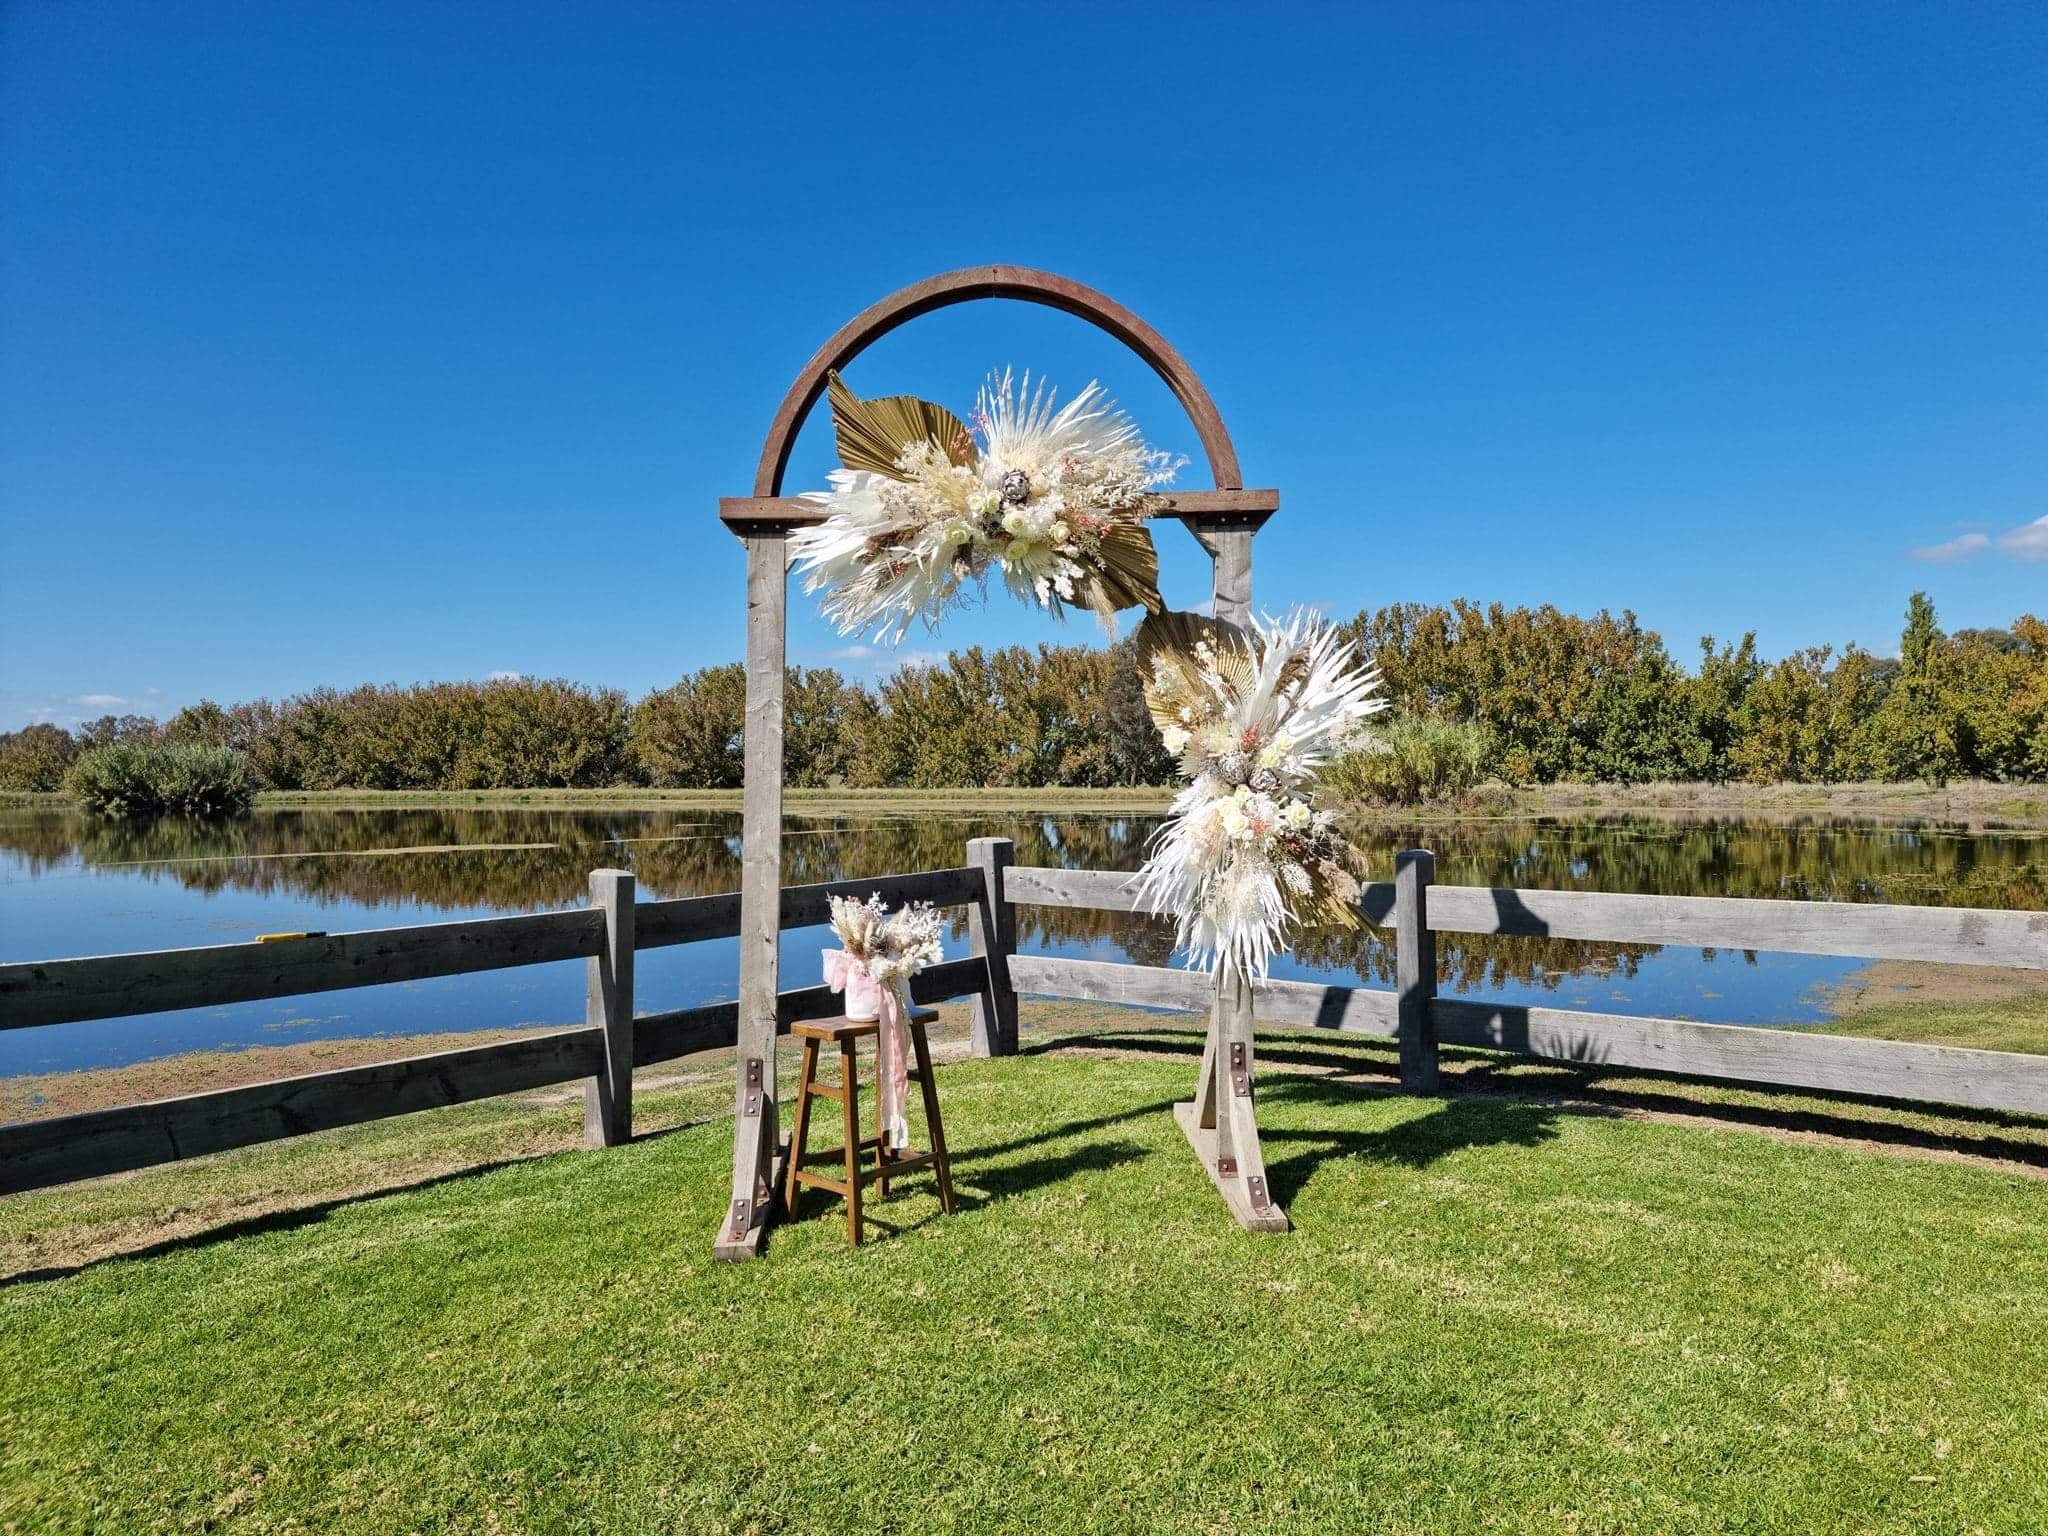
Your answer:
<point x="840" y="1027"/>
<point x="846" y="1034"/>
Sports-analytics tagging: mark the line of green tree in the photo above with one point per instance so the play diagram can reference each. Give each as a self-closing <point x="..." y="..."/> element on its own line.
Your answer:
<point x="1544" y="695"/>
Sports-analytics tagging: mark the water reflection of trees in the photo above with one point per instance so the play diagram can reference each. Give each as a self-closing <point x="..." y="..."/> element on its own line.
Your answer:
<point x="475" y="859"/>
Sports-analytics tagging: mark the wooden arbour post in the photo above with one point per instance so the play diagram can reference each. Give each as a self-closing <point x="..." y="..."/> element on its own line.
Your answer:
<point x="1223" y="520"/>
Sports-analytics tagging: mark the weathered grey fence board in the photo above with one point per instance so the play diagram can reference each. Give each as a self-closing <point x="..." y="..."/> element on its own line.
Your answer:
<point x="116" y="986"/>
<point x="1283" y="1004"/>
<point x="1961" y="935"/>
<point x="689" y="918"/>
<point x="1105" y="890"/>
<point x="661" y="1037"/>
<point x="1884" y="1069"/>
<point x="34" y="1153"/>
<point x="804" y="906"/>
<point x="686" y="919"/>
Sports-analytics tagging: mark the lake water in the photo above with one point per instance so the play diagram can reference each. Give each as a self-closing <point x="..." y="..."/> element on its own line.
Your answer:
<point x="74" y="885"/>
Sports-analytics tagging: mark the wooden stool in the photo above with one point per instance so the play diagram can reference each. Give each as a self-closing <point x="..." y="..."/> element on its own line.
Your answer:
<point x="888" y="1164"/>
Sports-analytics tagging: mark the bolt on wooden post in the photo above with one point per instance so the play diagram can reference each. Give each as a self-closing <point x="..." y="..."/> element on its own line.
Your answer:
<point x="608" y="1006"/>
<point x="1415" y="968"/>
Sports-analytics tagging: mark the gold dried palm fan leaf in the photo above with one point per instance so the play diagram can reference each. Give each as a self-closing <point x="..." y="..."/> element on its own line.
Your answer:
<point x="872" y="434"/>
<point x="1166" y="642"/>
<point x="1130" y="572"/>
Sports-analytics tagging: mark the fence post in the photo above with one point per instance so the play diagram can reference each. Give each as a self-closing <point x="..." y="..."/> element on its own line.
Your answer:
<point x="608" y="1005"/>
<point x="992" y="928"/>
<point x="1415" y="968"/>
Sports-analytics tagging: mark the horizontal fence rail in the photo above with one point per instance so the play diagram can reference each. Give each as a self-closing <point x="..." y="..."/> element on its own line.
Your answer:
<point x="36" y="1153"/>
<point x="1962" y="935"/>
<point x="1288" y="1004"/>
<point x="1882" y="1069"/>
<point x="117" y="986"/>
<point x="607" y="933"/>
<point x="689" y="918"/>
<point x="1741" y="1053"/>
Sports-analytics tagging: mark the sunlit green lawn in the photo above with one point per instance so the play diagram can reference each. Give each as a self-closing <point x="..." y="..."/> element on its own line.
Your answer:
<point x="1493" y="1315"/>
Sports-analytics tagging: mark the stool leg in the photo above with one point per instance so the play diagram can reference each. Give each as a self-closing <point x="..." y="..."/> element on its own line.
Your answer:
<point x="800" y="1133"/>
<point x="881" y="1132"/>
<point x="849" y="1077"/>
<point x="941" y="1164"/>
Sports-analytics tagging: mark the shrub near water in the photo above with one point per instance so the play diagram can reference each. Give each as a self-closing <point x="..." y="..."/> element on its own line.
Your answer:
<point x="132" y="779"/>
<point x="1413" y="759"/>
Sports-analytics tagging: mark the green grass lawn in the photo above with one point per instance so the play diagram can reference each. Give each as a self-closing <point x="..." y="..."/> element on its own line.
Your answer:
<point x="1495" y="1315"/>
<point x="1994" y="1024"/>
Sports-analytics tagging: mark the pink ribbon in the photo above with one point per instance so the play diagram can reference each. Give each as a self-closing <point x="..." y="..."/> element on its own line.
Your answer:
<point x="892" y="1070"/>
<point x="892" y="1042"/>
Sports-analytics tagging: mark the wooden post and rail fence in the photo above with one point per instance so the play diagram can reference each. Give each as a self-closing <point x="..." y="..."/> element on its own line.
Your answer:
<point x="612" y="1041"/>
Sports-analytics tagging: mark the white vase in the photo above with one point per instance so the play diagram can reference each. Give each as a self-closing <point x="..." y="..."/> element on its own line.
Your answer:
<point x="863" y="994"/>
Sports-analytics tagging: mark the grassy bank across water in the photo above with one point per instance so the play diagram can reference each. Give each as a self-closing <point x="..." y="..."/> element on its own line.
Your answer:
<point x="1549" y="1298"/>
<point x="1983" y="1007"/>
<point x="1969" y="804"/>
<point x="795" y="801"/>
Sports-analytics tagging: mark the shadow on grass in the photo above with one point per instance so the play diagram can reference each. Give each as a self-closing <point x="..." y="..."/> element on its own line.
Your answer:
<point x="269" y="1221"/>
<point x="1453" y="1125"/>
<point x="1370" y="1065"/>
<point x="976" y="1185"/>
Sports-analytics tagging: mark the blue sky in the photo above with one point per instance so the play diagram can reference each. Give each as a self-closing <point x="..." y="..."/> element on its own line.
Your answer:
<point x="381" y="343"/>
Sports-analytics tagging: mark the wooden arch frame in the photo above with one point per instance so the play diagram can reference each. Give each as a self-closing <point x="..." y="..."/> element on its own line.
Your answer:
<point x="1219" y="1120"/>
<point x="965" y="286"/>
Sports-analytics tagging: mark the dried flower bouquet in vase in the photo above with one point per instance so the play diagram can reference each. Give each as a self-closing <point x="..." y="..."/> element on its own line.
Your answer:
<point x="879" y="952"/>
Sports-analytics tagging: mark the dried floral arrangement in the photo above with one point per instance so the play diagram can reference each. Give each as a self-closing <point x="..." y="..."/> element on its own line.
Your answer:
<point x="880" y="951"/>
<point x="1246" y="856"/>
<point x="889" y="946"/>
<point x="924" y="508"/>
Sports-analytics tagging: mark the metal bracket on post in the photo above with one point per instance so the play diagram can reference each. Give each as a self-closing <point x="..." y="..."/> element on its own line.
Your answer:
<point x="1240" y="1074"/>
<point x="753" y="1085"/>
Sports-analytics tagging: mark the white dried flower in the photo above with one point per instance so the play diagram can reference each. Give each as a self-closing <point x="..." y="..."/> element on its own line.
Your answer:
<point x="1215" y="865"/>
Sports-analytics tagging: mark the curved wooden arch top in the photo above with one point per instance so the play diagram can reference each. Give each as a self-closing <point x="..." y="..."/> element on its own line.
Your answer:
<point x="964" y="286"/>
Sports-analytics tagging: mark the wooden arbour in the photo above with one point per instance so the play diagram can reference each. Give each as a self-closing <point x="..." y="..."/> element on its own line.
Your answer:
<point x="1224" y="520"/>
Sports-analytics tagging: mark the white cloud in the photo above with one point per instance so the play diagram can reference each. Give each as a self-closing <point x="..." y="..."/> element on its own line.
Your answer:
<point x="98" y="700"/>
<point x="1954" y="550"/>
<point x="851" y="653"/>
<point x="2029" y="542"/>
<point x="504" y="677"/>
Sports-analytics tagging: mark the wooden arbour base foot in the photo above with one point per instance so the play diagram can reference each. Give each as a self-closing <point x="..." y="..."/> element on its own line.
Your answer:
<point x="764" y="1155"/>
<point x="1221" y="1122"/>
